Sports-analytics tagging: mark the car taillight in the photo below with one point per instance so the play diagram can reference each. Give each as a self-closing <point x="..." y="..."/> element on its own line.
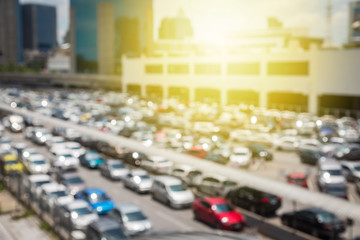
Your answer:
<point x="279" y="198"/>
<point x="265" y="200"/>
<point x="345" y="197"/>
<point x="327" y="227"/>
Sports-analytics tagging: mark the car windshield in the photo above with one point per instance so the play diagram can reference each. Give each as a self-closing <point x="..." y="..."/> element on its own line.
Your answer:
<point x="38" y="184"/>
<point x="117" y="166"/>
<point x="357" y="168"/>
<point x="92" y="155"/>
<point x="336" y="190"/>
<point x="223" y="207"/>
<point x="177" y="188"/>
<point x="114" y="234"/>
<point x="38" y="162"/>
<point x="57" y="194"/>
<point x="143" y="177"/>
<point x="82" y="211"/>
<point x="10" y="162"/>
<point x="74" y="180"/>
<point x="134" y="216"/>
<point x="334" y="172"/>
<point x="74" y="147"/>
<point x="326" y="217"/>
<point x="94" y="198"/>
<point x="66" y="155"/>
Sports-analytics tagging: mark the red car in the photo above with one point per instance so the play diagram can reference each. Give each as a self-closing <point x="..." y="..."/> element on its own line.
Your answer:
<point x="299" y="179"/>
<point x="197" y="152"/>
<point x="217" y="212"/>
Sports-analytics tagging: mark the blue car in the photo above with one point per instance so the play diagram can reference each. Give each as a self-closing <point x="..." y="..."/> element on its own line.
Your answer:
<point x="98" y="200"/>
<point x="91" y="159"/>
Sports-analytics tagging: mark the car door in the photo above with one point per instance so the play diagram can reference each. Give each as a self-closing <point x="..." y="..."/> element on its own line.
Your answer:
<point x="116" y="214"/>
<point x="239" y="199"/>
<point x="304" y="221"/>
<point x="205" y="213"/>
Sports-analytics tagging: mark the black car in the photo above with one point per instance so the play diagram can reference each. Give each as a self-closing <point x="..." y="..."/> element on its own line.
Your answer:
<point x="260" y="151"/>
<point x="310" y="156"/>
<point x="254" y="200"/>
<point x="315" y="221"/>
<point x="134" y="158"/>
<point x="105" y="228"/>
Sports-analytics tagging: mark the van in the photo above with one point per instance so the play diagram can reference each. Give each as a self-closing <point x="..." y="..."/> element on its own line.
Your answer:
<point x="330" y="176"/>
<point x="170" y="190"/>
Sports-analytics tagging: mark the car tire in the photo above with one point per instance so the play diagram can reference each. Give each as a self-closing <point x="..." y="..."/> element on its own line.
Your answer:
<point x="217" y="225"/>
<point x="315" y="233"/>
<point x="196" y="216"/>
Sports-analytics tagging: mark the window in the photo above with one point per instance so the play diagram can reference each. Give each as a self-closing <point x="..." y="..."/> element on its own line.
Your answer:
<point x="288" y="68"/>
<point x="178" y="69"/>
<point x="211" y="69"/>
<point x="205" y="204"/>
<point x="154" y="69"/>
<point x="243" y="69"/>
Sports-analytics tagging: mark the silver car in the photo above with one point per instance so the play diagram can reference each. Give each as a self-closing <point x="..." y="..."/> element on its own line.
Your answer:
<point x="139" y="181"/>
<point x="113" y="169"/>
<point x="53" y="195"/>
<point x="170" y="190"/>
<point x="131" y="217"/>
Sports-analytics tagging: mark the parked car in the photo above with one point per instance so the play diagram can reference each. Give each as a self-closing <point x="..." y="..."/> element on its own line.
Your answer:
<point x="31" y="184"/>
<point x="254" y="200"/>
<point x="336" y="189"/>
<point x="197" y="151"/>
<point x="91" y="159"/>
<point x="351" y="170"/>
<point x="241" y="157"/>
<point x="138" y="180"/>
<point x="76" y="215"/>
<point x="134" y="158"/>
<point x="37" y="164"/>
<point x="40" y="136"/>
<point x="53" y="141"/>
<point x="260" y="151"/>
<point x="217" y="158"/>
<point x="14" y="123"/>
<point x="170" y="190"/>
<point x="287" y="143"/>
<point x="218" y="213"/>
<point x="215" y="185"/>
<point x="105" y="228"/>
<point x="113" y="169"/>
<point x="297" y="178"/>
<point x="131" y="217"/>
<point x="317" y="222"/>
<point x="329" y="173"/>
<point x="75" y="148"/>
<point x="27" y="152"/>
<point x="53" y="195"/>
<point x="71" y="180"/>
<point x="63" y="159"/>
<point x="98" y="200"/>
<point x="157" y="164"/>
<point x="10" y="164"/>
<point x="311" y="156"/>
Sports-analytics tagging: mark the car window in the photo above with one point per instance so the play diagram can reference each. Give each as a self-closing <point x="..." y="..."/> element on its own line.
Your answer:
<point x="305" y="215"/>
<point x="205" y="204"/>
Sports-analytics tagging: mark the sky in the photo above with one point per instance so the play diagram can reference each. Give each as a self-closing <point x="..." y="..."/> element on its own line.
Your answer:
<point x="212" y="19"/>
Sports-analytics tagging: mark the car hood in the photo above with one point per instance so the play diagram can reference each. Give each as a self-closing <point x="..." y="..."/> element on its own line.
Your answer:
<point x="137" y="226"/>
<point x="233" y="216"/>
<point x="334" y="179"/>
<point x="86" y="219"/>
<point x="64" y="200"/>
<point x="105" y="205"/>
<point x="183" y="196"/>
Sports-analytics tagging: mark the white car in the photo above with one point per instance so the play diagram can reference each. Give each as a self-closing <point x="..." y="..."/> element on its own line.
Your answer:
<point x="287" y="143"/>
<point x="31" y="185"/>
<point x="53" y="195"/>
<point x="54" y="140"/>
<point x="181" y="171"/>
<point x="351" y="170"/>
<point x="27" y="152"/>
<point x="63" y="158"/>
<point x="157" y="164"/>
<point x="36" y="164"/>
<point x="241" y="157"/>
<point x="76" y="149"/>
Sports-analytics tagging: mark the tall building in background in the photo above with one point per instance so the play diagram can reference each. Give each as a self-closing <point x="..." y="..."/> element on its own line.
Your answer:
<point x="39" y="27"/>
<point x="10" y="32"/>
<point x="126" y="28"/>
<point x="354" y="23"/>
<point x="178" y="28"/>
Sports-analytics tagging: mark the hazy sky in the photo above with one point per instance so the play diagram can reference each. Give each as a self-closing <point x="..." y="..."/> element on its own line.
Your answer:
<point x="214" y="18"/>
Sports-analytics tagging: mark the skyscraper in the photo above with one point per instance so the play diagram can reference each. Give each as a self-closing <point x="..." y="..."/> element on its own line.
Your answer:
<point x="10" y="32"/>
<point x="354" y="23"/>
<point x="178" y="28"/>
<point x="39" y="27"/>
<point x="103" y="30"/>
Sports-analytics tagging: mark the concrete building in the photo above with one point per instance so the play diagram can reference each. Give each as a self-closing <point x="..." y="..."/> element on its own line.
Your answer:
<point x="178" y="28"/>
<point x="39" y="27"/>
<point x="11" y="50"/>
<point x="126" y="28"/>
<point x="318" y="81"/>
<point x="354" y="23"/>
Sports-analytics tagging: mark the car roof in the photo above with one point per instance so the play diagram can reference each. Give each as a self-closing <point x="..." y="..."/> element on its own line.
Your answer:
<point x="36" y="157"/>
<point x="329" y="163"/>
<point x="113" y="161"/>
<point x="297" y="175"/>
<point x="128" y="207"/>
<point x="77" y="203"/>
<point x="139" y="172"/>
<point x="215" y="200"/>
<point x="156" y="158"/>
<point x="67" y="175"/>
<point x="167" y="180"/>
<point x="97" y="191"/>
<point x="53" y="186"/>
<point x="105" y="223"/>
<point x="39" y="177"/>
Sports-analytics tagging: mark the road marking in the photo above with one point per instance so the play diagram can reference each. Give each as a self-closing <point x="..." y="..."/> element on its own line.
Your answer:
<point x="176" y="222"/>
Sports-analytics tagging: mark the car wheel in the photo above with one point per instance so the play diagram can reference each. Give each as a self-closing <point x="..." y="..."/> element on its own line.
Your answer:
<point x="196" y="216"/>
<point x="217" y="225"/>
<point x="315" y="233"/>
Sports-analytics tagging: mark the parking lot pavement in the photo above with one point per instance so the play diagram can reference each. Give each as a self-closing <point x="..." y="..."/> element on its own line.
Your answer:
<point x="14" y="225"/>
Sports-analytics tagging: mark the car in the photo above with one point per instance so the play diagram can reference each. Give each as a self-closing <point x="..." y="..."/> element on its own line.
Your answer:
<point x="254" y="200"/>
<point x="193" y="178"/>
<point x="138" y="180"/>
<point x="53" y="195"/>
<point x="181" y="171"/>
<point x="37" y="164"/>
<point x="76" y="215"/>
<point x="105" y="228"/>
<point x="297" y="178"/>
<point x="351" y="170"/>
<point x="63" y="159"/>
<point x="71" y="180"/>
<point x="91" y="159"/>
<point x="27" y="152"/>
<point x="53" y="141"/>
<point x="336" y="189"/>
<point x="10" y="164"/>
<point x="157" y="164"/>
<point x="14" y="123"/>
<point x="76" y="149"/>
<point x="31" y="184"/>
<point x="113" y="169"/>
<point x="197" y="151"/>
<point x="98" y="199"/>
<point x="241" y="157"/>
<point x="131" y="217"/>
<point x="311" y="156"/>
<point x="329" y="173"/>
<point x="18" y="147"/>
<point x="218" y="213"/>
<point x="260" y="151"/>
<point x="317" y="222"/>
<point x="217" y="158"/>
<point x="170" y="190"/>
<point x="215" y="185"/>
<point x="134" y="158"/>
<point x="287" y="143"/>
<point x="40" y="136"/>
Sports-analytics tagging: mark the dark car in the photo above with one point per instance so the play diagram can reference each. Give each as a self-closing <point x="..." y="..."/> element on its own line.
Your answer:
<point x="71" y="180"/>
<point x="260" y="151"/>
<point x="315" y="221"/>
<point x="254" y="200"/>
<point x="134" y="158"/>
<point x="105" y="228"/>
<point x="310" y="156"/>
<point x="91" y="159"/>
<point x="217" y="158"/>
<point x="336" y="190"/>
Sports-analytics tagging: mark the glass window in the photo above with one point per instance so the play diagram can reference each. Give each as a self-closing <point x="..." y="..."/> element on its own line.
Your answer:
<point x="134" y="216"/>
<point x="177" y="188"/>
<point x="223" y="207"/>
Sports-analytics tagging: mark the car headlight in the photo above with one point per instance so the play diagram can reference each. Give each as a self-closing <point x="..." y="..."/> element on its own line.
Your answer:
<point x="99" y="209"/>
<point x="224" y="220"/>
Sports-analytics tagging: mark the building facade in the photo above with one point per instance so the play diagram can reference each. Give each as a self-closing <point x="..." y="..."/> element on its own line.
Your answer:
<point x="126" y="28"/>
<point x="354" y="23"/>
<point x="11" y="50"/>
<point x="178" y="28"/>
<point x="39" y="27"/>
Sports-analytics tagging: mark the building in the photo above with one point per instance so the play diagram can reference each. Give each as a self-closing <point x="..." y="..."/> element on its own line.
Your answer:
<point x="39" y="27"/>
<point x="178" y="28"/>
<point x="59" y="61"/>
<point x="102" y="31"/>
<point x="11" y="50"/>
<point x="354" y="24"/>
<point x="318" y="81"/>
